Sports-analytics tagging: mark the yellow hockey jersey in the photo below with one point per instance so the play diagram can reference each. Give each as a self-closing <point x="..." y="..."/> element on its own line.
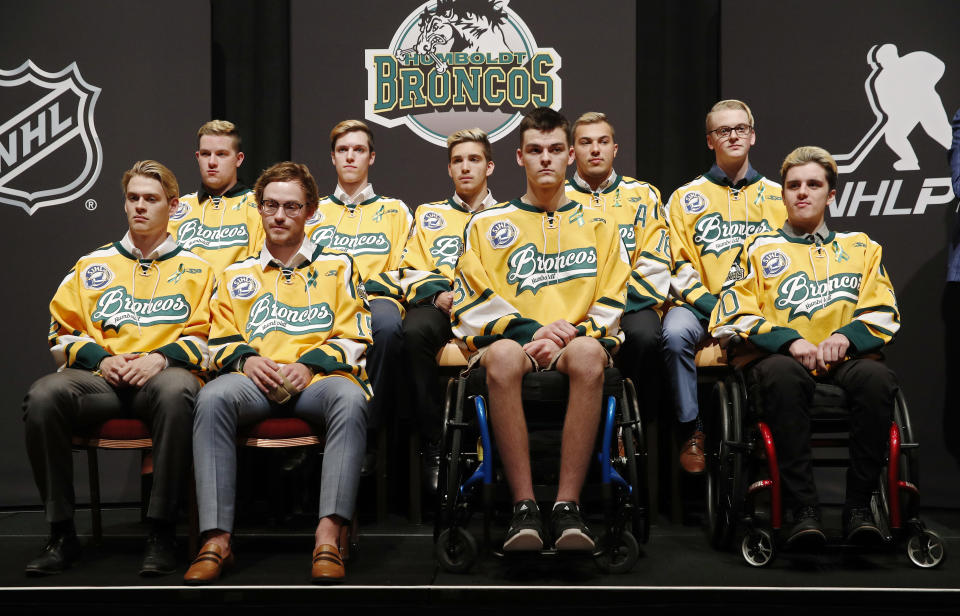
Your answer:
<point x="222" y="230"/>
<point x="314" y="313"/>
<point x="636" y="209"/>
<point x="523" y="268"/>
<point x="373" y="232"/>
<point x="112" y="302"/>
<point x="783" y="288"/>
<point x="708" y="221"/>
<point x="431" y="254"/>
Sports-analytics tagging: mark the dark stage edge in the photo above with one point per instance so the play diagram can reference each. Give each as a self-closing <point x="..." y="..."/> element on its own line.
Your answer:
<point x="395" y="569"/>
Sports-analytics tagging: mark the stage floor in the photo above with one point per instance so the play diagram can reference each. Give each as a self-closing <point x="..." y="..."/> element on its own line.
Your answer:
<point x="395" y="567"/>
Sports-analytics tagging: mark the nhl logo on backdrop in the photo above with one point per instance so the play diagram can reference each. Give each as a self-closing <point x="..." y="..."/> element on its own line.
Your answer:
<point x="49" y="149"/>
<point x="459" y="63"/>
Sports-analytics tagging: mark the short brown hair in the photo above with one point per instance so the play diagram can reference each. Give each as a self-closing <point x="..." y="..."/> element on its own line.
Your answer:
<point x="468" y="135"/>
<point x="730" y="103"/>
<point x="220" y="128"/>
<point x="544" y="119"/>
<point x="155" y="171"/>
<point x="289" y="172"/>
<point x="592" y="117"/>
<point x="810" y="154"/>
<point x="348" y="126"/>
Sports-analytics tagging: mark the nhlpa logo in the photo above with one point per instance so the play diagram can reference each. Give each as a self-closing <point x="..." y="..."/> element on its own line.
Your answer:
<point x="901" y="91"/>
<point x="47" y="118"/>
<point x="454" y="58"/>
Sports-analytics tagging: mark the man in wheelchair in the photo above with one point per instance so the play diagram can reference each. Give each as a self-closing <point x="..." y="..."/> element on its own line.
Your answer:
<point x="541" y="286"/>
<point x="816" y="305"/>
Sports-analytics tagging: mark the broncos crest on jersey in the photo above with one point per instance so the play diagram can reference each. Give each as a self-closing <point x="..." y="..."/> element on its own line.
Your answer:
<point x="112" y="302"/>
<point x="431" y="254"/>
<point x="636" y="209"/>
<point x="708" y="221"/>
<point x="220" y="229"/>
<point x="794" y="288"/>
<point x="558" y="265"/>
<point x="313" y="314"/>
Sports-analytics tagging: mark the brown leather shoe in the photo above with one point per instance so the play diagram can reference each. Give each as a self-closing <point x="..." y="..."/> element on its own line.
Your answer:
<point x="327" y="565"/>
<point x="208" y="565"/>
<point x="692" y="459"/>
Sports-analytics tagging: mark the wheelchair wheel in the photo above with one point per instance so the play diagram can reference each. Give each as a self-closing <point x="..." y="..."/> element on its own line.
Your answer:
<point x="632" y="439"/>
<point x="757" y="548"/>
<point x="723" y="468"/>
<point x="618" y="553"/>
<point x="925" y="549"/>
<point x="456" y="549"/>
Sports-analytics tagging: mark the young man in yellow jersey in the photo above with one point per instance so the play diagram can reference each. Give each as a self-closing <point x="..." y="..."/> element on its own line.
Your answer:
<point x="219" y="221"/>
<point x="372" y="229"/>
<point x="820" y="306"/>
<point x="635" y="208"/>
<point x="541" y="285"/>
<point x="129" y="331"/>
<point x="424" y="281"/>
<point x="293" y="317"/>
<point x="709" y="219"/>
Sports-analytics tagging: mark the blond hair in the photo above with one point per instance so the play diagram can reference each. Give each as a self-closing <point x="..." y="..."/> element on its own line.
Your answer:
<point x="155" y="171"/>
<point x="810" y="154"/>
<point x="730" y="103"/>
<point x="348" y="126"/>
<point x="220" y="128"/>
<point x="592" y="117"/>
<point x="470" y="135"/>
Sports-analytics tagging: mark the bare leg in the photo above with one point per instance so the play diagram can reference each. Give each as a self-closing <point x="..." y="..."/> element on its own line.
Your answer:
<point x="583" y="362"/>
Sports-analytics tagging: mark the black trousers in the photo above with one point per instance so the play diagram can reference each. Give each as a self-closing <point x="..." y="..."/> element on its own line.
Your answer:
<point x="639" y="357"/>
<point x="783" y="390"/>
<point x="59" y="404"/>
<point x="426" y="329"/>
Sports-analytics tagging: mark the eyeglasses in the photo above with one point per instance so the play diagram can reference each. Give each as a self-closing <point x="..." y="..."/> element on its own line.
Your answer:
<point x="290" y="208"/>
<point x="742" y="130"/>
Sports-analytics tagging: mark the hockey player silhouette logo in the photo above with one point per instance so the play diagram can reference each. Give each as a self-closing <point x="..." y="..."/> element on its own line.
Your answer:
<point x="902" y="93"/>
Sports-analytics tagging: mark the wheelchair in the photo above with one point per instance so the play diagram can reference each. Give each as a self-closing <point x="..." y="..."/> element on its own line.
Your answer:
<point x="743" y="490"/>
<point x="470" y="479"/>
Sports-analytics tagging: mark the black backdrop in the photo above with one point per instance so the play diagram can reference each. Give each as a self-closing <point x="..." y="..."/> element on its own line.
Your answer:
<point x="286" y="71"/>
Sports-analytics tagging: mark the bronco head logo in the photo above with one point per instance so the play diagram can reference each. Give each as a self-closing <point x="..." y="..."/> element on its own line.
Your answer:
<point x="54" y="131"/>
<point x="451" y="58"/>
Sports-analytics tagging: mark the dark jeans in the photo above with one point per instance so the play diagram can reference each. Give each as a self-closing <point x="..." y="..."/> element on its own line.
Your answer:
<point x="640" y="359"/>
<point x="426" y="329"/>
<point x="784" y="392"/>
<point x="60" y="404"/>
<point x="384" y="357"/>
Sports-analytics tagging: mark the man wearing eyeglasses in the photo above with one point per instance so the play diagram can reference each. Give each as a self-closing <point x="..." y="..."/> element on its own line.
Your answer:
<point x="708" y="220"/>
<point x="372" y="229"/>
<point x="284" y="323"/>
<point x="219" y="221"/>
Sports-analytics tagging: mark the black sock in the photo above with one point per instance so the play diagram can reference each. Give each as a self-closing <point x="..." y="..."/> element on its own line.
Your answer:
<point x="63" y="528"/>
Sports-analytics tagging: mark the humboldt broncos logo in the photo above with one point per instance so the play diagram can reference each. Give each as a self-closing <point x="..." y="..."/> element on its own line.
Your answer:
<point x="361" y="244"/>
<point x="192" y="234"/>
<point x="529" y="269"/>
<point x="116" y="308"/>
<point x="804" y="296"/>
<point x="715" y="235"/>
<point x="446" y="250"/>
<point x="267" y="315"/>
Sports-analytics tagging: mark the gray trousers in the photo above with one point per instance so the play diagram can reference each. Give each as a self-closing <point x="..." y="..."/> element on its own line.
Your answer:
<point x="334" y="405"/>
<point x="682" y="331"/>
<point x="60" y="404"/>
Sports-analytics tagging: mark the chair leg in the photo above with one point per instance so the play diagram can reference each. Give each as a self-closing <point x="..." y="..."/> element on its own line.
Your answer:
<point x="146" y="481"/>
<point x="414" y="462"/>
<point x="94" y="473"/>
<point x="381" y="475"/>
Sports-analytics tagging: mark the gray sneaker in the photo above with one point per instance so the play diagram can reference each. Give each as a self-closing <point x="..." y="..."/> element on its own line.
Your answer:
<point x="526" y="529"/>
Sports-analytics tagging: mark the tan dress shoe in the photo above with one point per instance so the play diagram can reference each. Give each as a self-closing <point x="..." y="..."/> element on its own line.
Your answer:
<point x="208" y="565"/>
<point x="692" y="458"/>
<point x="327" y="565"/>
